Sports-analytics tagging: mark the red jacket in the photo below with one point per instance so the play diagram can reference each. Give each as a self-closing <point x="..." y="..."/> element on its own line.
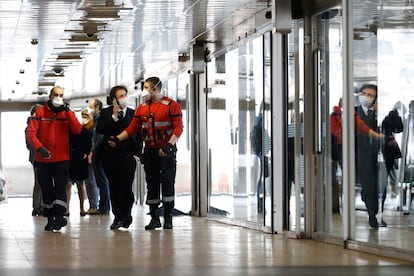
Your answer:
<point x="159" y="121"/>
<point x="50" y="129"/>
<point x="336" y="124"/>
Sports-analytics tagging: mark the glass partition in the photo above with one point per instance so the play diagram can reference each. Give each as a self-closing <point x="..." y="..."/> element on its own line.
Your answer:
<point x="239" y="155"/>
<point x="383" y="80"/>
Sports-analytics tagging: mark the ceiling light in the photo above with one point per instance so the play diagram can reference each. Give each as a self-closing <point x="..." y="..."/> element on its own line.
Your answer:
<point x="395" y="8"/>
<point x="46" y="83"/>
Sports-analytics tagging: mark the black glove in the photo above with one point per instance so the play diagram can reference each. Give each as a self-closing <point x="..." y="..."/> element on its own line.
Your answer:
<point x="114" y="139"/>
<point x="44" y="152"/>
<point x="169" y="149"/>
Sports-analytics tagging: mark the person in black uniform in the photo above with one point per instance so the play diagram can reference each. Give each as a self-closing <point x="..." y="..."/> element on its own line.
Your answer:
<point x="367" y="149"/>
<point x="118" y="162"/>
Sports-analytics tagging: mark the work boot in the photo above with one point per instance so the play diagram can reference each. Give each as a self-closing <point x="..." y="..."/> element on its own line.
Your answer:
<point x="50" y="224"/>
<point x="60" y="222"/>
<point x="155" y="219"/>
<point x="168" y="208"/>
<point x="168" y="222"/>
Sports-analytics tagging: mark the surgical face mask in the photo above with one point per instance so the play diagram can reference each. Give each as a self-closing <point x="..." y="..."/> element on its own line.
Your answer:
<point x="367" y="102"/>
<point x="92" y="112"/>
<point x="122" y="103"/>
<point x="57" y="101"/>
<point x="85" y="121"/>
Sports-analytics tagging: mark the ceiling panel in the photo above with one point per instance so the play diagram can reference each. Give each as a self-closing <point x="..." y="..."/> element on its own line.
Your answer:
<point x="87" y="46"/>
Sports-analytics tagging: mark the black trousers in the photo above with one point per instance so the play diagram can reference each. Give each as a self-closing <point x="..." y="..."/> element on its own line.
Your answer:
<point x="160" y="176"/>
<point x="367" y="176"/>
<point x="53" y="178"/>
<point x="120" y="171"/>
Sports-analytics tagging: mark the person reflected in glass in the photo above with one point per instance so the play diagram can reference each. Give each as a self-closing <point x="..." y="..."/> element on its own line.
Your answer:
<point x="260" y="144"/>
<point x="391" y="125"/>
<point x="367" y="149"/>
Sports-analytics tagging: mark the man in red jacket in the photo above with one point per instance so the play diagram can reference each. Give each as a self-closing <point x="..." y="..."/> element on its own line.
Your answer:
<point x="159" y="119"/>
<point x="48" y="134"/>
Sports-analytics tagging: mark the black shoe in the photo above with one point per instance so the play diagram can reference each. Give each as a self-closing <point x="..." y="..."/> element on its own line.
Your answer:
<point x="37" y="212"/>
<point x="168" y="222"/>
<point x="154" y="223"/>
<point x="50" y="224"/>
<point x="127" y="221"/>
<point x="59" y="223"/>
<point x="82" y="214"/>
<point x="116" y="224"/>
<point x="383" y="223"/>
<point x="373" y="223"/>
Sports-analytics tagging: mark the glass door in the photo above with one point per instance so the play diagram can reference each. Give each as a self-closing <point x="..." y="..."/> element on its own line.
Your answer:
<point x="327" y="61"/>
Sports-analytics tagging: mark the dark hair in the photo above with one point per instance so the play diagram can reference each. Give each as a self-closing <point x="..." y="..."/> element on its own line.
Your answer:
<point x="53" y="90"/>
<point x="369" y="86"/>
<point x="116" y="88"/>
<point x="155" y="82"/>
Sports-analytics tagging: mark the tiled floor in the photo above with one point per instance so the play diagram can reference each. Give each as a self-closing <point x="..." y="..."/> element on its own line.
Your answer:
<point x="196" y="246"/>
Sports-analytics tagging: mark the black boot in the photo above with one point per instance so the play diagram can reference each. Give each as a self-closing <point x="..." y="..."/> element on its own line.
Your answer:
<point x="155" y="219"/>
<point x="168" y="222"/>
<point x="60" y="222"/>
<point x="50" y="224"/>
<point x="168" y="215"/>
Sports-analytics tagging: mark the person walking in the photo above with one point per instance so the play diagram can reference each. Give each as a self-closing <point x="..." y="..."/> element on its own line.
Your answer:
<point x="159" y="120"/>
<point x="118" y="162"/>
<point x="48" y="134"/>
<point x="367" y="150"/>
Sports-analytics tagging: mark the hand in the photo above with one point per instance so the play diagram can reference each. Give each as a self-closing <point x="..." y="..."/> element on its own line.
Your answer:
<point x="167" y="150"/>
<point x="113" y="141"/>
<point x="44" y="152"/>
<point x="115" y="110"/>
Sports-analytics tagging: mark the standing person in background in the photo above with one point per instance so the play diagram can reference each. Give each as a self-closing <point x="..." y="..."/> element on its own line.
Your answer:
<point x="118" y="162"/>
<point x="161" y="121"/>
<point x="48" y="134"/>
<point x="103" y="196"/>
<point x="37" y="191"/>
<point x="80" y="148"/>
<point x="92" y="190"/>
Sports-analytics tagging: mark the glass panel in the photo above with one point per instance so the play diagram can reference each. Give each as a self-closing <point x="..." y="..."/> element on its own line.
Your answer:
<point x="179" y="87"/>
<point x="267" y="129"/>
<point x="235" y="105"/>
<point x="383" y="58"/>
<point x="328" y="61"/>
<point x="15" y="159"/>
<point x="294" y="199"/>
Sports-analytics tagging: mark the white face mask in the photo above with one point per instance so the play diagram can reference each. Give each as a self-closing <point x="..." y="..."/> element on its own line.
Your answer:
<point x="85" y="121"/>
<point x="57" y="102"/>
<point x="366" y="101"/>
<point x="122" y="103"/>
